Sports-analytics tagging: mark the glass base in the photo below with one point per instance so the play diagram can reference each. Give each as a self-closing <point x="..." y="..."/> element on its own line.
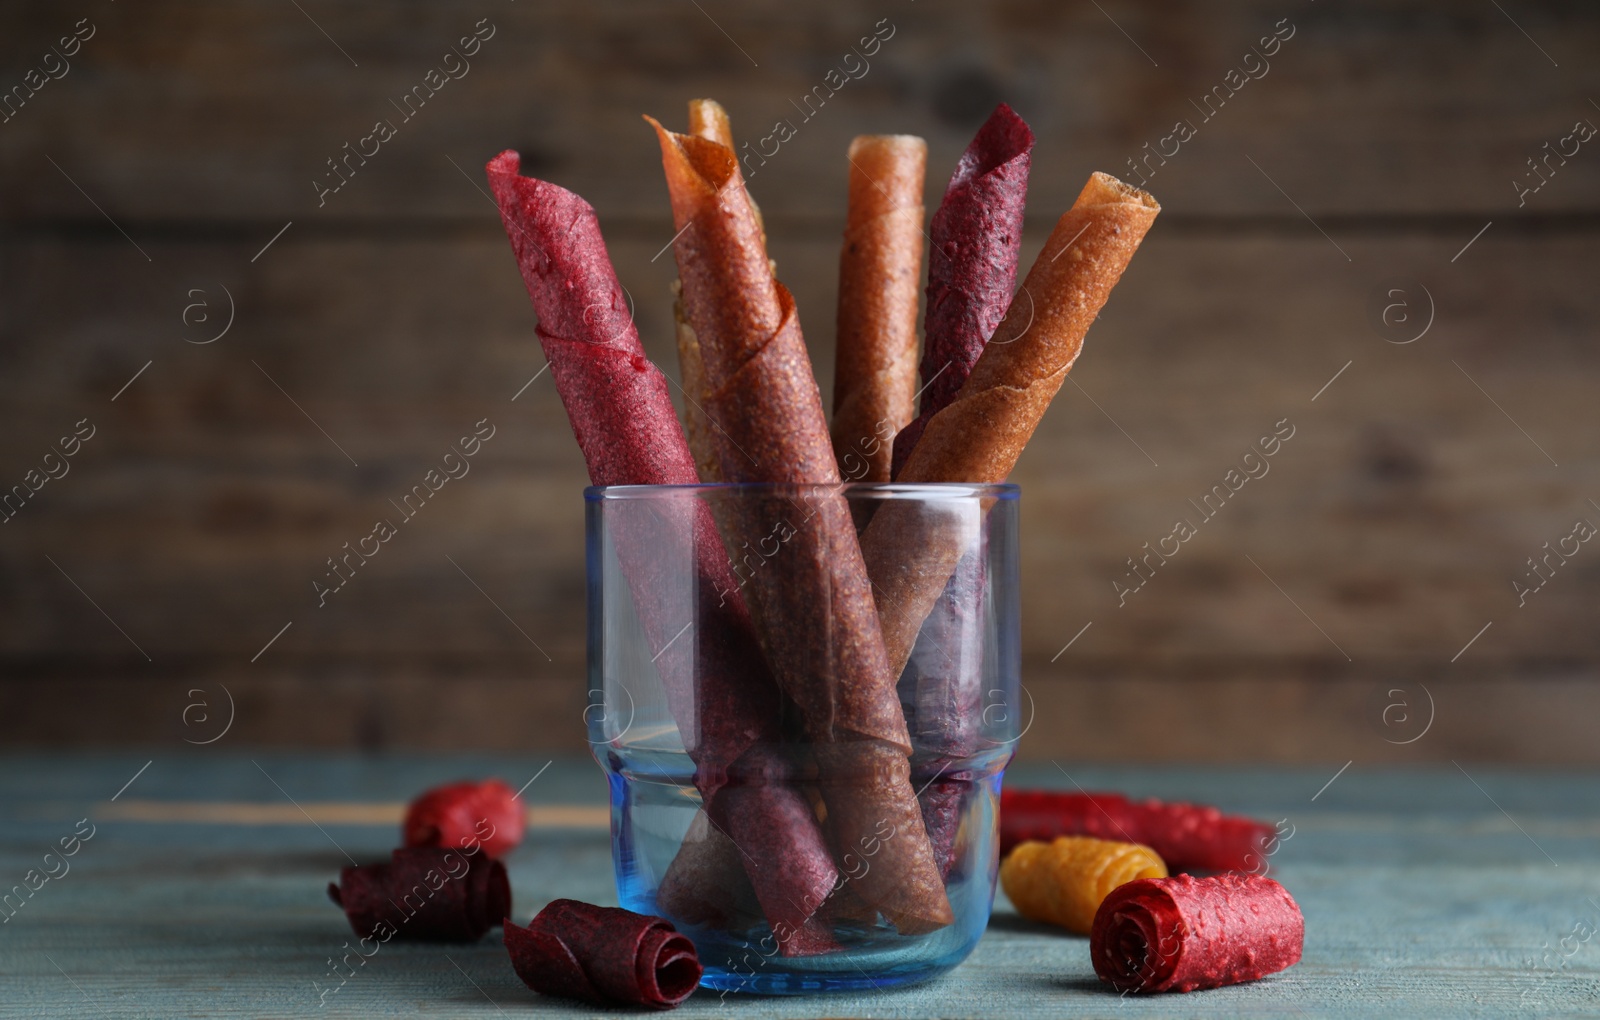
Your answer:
<point x="810" y="982"/>
<point x="749" y="961"/>
<point x="877" y="961"/>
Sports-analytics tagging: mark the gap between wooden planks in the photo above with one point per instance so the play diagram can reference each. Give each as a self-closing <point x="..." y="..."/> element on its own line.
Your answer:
<point x="538" y="816"/>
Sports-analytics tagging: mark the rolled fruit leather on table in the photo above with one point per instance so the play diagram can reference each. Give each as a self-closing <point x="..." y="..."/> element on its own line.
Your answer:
<point x="604" y="955"/>
<point x="1183" y="933"/>
<point x="717" y="683"/>
<point x="811" y="599"/>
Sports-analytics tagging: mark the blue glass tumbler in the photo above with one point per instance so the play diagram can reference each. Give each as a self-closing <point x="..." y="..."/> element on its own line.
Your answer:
<point x="804" y="699"/>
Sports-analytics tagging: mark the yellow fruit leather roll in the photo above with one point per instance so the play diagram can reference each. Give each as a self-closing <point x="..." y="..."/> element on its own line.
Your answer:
<point x="1064" y="882"/>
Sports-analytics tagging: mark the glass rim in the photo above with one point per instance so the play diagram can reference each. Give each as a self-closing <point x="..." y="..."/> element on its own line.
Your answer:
<point x="926" y="491"/>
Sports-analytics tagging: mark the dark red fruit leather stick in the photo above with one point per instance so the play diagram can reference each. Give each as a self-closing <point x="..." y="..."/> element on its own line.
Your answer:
<point x="976" y="239"/>
<point x="717" y="682"/>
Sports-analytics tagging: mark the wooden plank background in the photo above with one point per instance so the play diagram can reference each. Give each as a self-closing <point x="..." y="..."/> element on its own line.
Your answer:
<point x="153" y="174"/>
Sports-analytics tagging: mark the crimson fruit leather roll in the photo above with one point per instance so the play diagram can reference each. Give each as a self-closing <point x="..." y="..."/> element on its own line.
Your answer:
<point x="717" y="683"/>
<point x="942" y="692"/>
<point x="810" y="597"/>
<point x="976" y="236"/>
<point x="1183" y="933"/>
<point x="603" y="955"/>
<point x="978" y="437"/>
<point x="424" y="894"/>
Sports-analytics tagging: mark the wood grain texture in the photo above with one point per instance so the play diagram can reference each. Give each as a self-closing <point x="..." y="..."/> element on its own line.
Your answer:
<point x="1421" y="899"/>
<point x="181" y="110"/>
<point x="1387" y="533"/>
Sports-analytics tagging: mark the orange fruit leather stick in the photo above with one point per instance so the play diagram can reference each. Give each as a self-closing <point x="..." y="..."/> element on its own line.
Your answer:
<point x="980" y="435"/>
<point x="880" y="270"/>
<point x="809" y="595"/>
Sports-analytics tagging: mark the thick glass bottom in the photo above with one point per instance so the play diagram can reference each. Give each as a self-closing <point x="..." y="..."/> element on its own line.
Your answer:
<point x="651" y="811"/>
<point x="748" y="963"/>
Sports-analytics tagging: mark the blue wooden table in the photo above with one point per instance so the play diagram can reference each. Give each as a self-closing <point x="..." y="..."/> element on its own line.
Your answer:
<point x="199" y="891"/>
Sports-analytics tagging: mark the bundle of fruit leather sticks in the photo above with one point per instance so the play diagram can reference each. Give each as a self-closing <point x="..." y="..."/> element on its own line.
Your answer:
<point x="824" y="631"/>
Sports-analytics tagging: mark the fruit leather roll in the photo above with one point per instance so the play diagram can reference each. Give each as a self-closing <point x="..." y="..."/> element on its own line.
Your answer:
<point x="1189" y="837"/>
<point x="425" y="893"/>
<point x="604" y="955"/>
<point x="701" y="886"/>
<point x="875" y="376"/>
<point x="1180" y="934"/>
<point x="693" y="375"/>
<point x="910" y="555"/>
<point x="976" y="238"/>
<point x="807" y="585"/>
<point x="1064" y="881"/>
<point x="717" y="683"/>
<point x="707" y="119"/>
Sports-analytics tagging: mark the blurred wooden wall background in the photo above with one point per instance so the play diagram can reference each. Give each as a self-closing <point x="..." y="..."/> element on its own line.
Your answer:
<point x="1387" y="534"/>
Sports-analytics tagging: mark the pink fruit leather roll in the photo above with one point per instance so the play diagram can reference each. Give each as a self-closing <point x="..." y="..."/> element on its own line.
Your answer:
<point x="1183" y="933"/>
<point x="717" y="682"/>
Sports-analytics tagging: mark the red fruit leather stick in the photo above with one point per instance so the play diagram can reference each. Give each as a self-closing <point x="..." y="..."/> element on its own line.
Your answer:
<point x="976" y="237"/>
<point x="717" y="682"/>
<point x="1189" y="837"/>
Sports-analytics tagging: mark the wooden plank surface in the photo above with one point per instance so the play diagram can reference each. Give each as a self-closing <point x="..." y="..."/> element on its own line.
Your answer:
<point x="1395" y="518"/>
<point x="160" y="173"/>
<point x="1421" y="898"/>
<point x="183" y="111"/>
